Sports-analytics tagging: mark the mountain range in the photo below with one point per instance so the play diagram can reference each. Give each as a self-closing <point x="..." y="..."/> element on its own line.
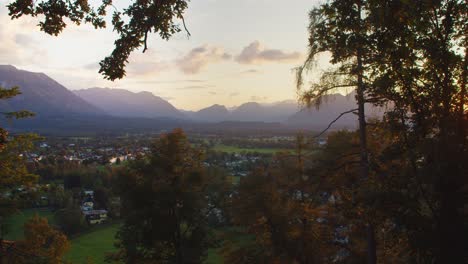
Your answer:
<point x="247" y="112"/>
<point x="42" y="95"/>
<point x="47" y="98"/>
<point x="123" y="103"/>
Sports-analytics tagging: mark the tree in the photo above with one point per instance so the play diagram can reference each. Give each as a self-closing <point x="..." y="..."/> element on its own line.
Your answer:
<point x="133" y="23"/>
<point x="70" y="219"/>
<point x="101" y="198"/>
<point x="342" y="28"/>
<point x="13" y="172"/>
<point x="279" y="205"/>
<point x="42" y="243"/>
<point x="164" y="205"/>
<point x="421" y="67"/>
<point x="58" y="197"/>
<point x="414" y="59"/>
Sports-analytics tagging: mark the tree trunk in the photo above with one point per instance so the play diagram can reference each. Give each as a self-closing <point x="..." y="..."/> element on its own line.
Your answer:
<point x="371" y="244"/>
<point x="179" y="249"/>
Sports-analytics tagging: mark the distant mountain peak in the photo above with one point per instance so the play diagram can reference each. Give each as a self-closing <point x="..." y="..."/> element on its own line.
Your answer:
<point x="42" y="94"/>
<point x="125" y="103"/>
<point x="8" y="67"/>
<point x="215" y="107"/>
<point x="249" y="104"/>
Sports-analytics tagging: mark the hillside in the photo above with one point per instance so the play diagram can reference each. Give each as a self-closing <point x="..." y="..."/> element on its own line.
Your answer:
<point x="333" y="105"/>
<point x="42" y="95"/>
<point x="123" y="103"/>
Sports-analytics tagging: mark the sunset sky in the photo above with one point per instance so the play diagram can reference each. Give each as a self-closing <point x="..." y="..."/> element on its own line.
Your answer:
<point x="239" y="51"/>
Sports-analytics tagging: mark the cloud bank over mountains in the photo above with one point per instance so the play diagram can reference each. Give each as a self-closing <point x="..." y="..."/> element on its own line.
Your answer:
<point x="199" y="57"/>
<point x="256" y="53"/>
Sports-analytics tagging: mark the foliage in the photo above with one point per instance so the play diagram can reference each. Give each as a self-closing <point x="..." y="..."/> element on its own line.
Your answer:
<point x="410" y="55"/>
<point x="42" y="243"/>
<point x="101" y="198"/>
<point x="280" y="207"/>
<point x="164" y="205"/>
<point x="16" y="222"/>
<point x="70" y="219"/>
<point x="59" y="198"/>
<point x="344" y="29"/>
<point x="133" y="23"/>
<point x="13" y="172"/>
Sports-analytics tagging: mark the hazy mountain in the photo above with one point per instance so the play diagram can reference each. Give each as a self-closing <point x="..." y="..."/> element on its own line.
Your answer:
<point x="214" y="113"/>
<point x="281" y="111"/>
<point x="123" y="103"/>
<point x="42" y="95"/>
<point x="333" y="105"/>
<point x="48" y="98"/>
<point x="248" y="112"/>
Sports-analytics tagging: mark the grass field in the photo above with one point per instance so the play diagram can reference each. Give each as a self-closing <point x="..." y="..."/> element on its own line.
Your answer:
<point x="234" y="149"/>
<point x="95" y="244"/>
<point x="237" y="238"/>
<point x="99" y="240"/>
<point x="16" y="222"/>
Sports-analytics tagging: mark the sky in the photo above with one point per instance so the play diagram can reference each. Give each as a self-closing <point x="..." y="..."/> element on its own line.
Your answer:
<point x="239" y="51"/>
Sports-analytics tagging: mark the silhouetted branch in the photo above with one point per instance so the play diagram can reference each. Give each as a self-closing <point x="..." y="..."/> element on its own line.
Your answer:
<point x="334" y="121"/>
<point x="145" y="41"/>
<point x="185" y="26"/>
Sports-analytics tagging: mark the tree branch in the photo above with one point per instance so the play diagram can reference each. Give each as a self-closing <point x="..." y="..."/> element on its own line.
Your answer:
<point x="185" y="26"/>
<point x="145" y="41"/>
<point x="334" y="121"/>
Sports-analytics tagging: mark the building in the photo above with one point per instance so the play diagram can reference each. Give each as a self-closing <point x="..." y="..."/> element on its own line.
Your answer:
<point x="95" y="216"/>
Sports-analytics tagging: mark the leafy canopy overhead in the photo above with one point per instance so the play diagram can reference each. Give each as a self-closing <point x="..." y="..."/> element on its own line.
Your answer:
<point x="132" y="23"/>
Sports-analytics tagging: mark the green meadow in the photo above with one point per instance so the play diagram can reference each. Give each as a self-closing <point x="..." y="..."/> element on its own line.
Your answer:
<point x="98" y="241"/>
<point x="234" y="149"/>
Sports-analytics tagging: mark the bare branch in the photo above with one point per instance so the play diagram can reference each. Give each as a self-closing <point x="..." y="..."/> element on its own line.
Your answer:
<point x="145" y="41"/>
<point x="334" y="121"/>
<point x="185" y="26"/>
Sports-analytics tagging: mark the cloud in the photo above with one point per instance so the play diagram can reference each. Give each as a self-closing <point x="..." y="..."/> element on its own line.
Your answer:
<point x="147" y="64"/>
<point x="200" y="57"/>
<point x="251" y="71"/>
<point x="147" y="68"/>
<point x="19" y="48"/>
<point x="140" y="65"/>
<point x="256" y="53"/>
<point x="24" y="40"/>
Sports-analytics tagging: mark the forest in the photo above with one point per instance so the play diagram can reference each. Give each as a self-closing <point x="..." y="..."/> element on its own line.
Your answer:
<point x="393" y="191"/>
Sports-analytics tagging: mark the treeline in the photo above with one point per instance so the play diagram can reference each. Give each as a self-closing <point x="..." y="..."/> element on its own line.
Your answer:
<point x="303" y="207"/>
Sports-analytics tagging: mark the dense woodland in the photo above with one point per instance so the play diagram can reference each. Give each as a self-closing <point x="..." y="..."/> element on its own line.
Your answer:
<point x="393" y="191"/>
